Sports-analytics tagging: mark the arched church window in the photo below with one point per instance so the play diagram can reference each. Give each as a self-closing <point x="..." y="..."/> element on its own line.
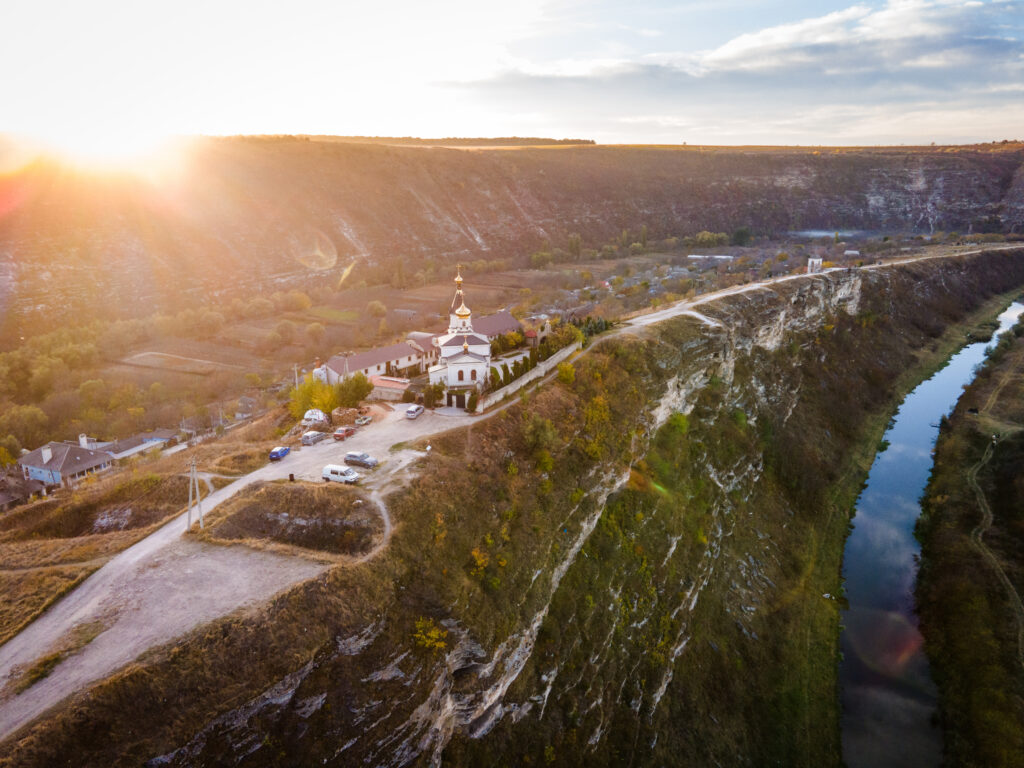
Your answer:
<point x="472" y="375"/>
<point x="460" y="375"/>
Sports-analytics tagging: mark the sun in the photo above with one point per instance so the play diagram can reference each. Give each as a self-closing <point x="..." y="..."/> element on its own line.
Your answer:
<point x="102" y="149"/>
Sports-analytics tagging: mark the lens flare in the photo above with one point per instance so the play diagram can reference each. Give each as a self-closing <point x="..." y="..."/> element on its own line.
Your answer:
<point x="317" y="251"/>
<point x="345" y="274"/>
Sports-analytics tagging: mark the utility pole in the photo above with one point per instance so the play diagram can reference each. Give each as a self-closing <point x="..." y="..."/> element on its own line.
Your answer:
<point x="193" y="482"/>
<point x="296" y="375"/>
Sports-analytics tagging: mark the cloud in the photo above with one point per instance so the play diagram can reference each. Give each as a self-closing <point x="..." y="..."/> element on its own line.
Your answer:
<point x="853" y="75"/>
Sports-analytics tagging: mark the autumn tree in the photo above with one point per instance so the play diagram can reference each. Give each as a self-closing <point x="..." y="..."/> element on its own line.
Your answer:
<point x="315" y="332"/>
<point x="312" y="393"/>
<point x="742" y="236"/>
<point x="286" y="330"/>
<point x="353" y="389"/>
<point x="27" y="423"/>
<point x="575" y="246"/>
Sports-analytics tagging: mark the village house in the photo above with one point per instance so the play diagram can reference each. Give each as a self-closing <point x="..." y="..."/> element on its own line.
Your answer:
<point x="16" y="490"/>
<point x="63" y="463"/>
<point x="144" y="441"/>
<point x="401" y="359"/>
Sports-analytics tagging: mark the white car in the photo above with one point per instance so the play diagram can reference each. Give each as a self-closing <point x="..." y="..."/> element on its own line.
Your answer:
<point x="340" y="474"/>
<point x="413" y="411"/>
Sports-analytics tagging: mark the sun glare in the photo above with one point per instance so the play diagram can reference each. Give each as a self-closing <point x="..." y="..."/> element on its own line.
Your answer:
<point x="150" y="155"/>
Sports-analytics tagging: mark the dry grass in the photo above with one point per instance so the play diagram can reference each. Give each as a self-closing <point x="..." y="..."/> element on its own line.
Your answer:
<point x="38" y="553"/>
<point x="240" y="462"/>
<point x="124" y="501"/>
<point x="79" y="637"/>
<point x="269" y="426"/>
<point x="28" y="593"/>
<point x="218" y="457"/>
<point x="778" y="708"/>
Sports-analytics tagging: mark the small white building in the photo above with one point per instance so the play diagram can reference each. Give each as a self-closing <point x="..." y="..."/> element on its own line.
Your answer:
<point x="390" y="388"/>
<point x="813" y="266"/>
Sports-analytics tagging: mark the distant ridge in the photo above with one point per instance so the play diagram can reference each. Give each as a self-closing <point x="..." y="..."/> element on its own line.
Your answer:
<point x="498" y="141"/>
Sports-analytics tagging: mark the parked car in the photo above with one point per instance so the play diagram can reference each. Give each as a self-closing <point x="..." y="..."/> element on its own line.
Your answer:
<point x="313" y="437"/>
<point x="279" y="452"/>
<point x="360" y="459"/>
<point x="362" y="421"/>
<point x="413" y="411"/>
<point x="342" y="432"/>
<point x="340" y="474"/>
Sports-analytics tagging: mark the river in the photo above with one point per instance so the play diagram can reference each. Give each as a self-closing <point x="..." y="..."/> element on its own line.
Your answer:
<point x="887" y="694"/>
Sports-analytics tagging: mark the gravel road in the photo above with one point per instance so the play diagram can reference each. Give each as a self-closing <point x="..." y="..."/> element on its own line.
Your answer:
<point x="164" y="586"/>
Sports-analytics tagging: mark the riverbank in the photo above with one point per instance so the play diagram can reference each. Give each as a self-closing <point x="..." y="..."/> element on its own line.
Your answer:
<point x="825" y="562"/>
<point x="972" y="567"/>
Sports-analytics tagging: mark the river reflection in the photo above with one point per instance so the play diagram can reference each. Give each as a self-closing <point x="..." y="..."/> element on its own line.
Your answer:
<point x="887" y="694"/>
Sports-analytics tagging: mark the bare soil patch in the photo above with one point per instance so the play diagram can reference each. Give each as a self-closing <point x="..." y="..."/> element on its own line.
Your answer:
<point x="334" y="519"/>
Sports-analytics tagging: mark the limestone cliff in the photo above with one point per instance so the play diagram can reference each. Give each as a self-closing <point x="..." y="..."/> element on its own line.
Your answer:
<point x="639" y="565"/>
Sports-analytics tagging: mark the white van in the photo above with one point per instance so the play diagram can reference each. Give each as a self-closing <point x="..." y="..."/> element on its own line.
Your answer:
<point x="339" y="474"/>
<point x="312" y="437"/>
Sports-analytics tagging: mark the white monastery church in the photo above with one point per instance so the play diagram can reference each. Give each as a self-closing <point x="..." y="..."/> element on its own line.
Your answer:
<point x="464" y="355"/>
<point x="459" y="359"/>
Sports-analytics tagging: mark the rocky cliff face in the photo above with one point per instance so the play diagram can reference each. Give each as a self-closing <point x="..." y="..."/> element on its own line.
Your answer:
<point x="638" y="565"/>
<point x="254" y="211"/>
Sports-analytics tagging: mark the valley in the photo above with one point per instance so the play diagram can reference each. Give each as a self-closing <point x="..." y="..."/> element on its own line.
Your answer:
<point x="628" y="560"/>
<point x="70" y="238"/>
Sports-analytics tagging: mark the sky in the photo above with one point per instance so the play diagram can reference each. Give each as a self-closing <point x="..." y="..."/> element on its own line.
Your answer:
<point x="118" y="73"/>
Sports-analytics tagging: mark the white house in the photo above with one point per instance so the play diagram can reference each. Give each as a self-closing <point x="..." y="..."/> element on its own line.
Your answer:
<point x="402" y="358"/>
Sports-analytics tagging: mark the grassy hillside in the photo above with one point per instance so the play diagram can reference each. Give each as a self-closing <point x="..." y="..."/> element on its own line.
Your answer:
<point x="631" y="561"/>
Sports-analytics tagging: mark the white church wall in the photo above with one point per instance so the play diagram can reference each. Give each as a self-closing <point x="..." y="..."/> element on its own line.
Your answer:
<point x="542" y="369"/>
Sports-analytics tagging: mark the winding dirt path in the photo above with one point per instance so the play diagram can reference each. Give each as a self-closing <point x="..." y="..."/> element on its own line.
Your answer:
<point x="979" y="531"/>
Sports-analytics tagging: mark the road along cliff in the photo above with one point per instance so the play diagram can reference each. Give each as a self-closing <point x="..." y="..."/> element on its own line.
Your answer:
<point x="638" y="562"/>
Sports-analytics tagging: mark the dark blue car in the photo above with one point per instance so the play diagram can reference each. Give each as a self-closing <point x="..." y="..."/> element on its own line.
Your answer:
<point x="279" y="453"/>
